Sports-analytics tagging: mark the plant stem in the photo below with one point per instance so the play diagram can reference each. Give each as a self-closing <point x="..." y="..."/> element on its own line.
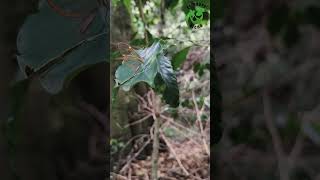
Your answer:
<point x="203" y="135"/>
<point x="140" y="7"/>
<point x="284" y="171"/>
<point x="162" y="20"/>
<point x="155" y="147"/>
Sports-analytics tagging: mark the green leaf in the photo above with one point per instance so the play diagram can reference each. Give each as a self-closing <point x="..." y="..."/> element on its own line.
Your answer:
<point x="133" y="71"/>
<point x="171" y="3"/>
<point x="142" y="41"/>
<point x="171" y="93"/>
<point x="179" y="58"/>
<point x="199" y="68"/>
<point x="115" y="3"/>
<point x="55" y="48"/>
<point x="154" y="62"/>
<point x="127" y="4"/>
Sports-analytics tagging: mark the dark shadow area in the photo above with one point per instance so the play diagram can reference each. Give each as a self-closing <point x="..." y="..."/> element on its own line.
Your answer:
<point x="45" y="136"/>
<point x="267" y="55"/>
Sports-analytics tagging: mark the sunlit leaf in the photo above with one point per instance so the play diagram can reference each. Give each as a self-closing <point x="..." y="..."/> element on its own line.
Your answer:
<point x="154" y="62"/>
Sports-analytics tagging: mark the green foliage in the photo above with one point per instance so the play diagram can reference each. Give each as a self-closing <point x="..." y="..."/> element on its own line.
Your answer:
<point x="142" y="41"/>
<point x="128" y="5"/>
<point x="187" y="103"/>
<point x="170" y="132"/>
<point x="200" y="67"/>
<point x="291" y="128"/>
<point x="116" y="146"/>
<point x="153" y="62"/>
<point x="179" y="58"/>
<point x="56" y="48"/>
<point x="170" y="4"/>
<point x="115" y="91"/>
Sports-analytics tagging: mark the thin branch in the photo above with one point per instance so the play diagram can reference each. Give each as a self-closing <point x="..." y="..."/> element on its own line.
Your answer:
<point x="296" y="150"/>
<point x="130" y="174"/>
<point x="140" y="7"/>
<point x="278" y="147"/>
<point x="177" y="124"/>
<point x="135" y="156"/>
<point x="184" y="134"/>
<point x="155" y="147"/>
<point x="139" y="136"/>
<point x="138" y="121"/>
<point x="174" y="153"/>
<point x="118" y="176"/>
<point x="271" y="126"/>
<point x="203" y="135"/>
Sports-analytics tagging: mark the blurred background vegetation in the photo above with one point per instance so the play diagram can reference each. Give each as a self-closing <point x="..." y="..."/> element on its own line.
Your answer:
<point x="267" y="55"/>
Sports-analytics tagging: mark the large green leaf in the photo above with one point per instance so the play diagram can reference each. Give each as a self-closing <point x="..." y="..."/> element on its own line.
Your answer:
<point x="154" y="62"/>
<point x="179" y="58"/>
<point x="171" y="93"/>
<point x="55" y="47"/>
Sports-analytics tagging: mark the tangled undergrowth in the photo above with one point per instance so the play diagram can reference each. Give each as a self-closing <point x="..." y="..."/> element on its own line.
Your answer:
<point x="184" y="134"/>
